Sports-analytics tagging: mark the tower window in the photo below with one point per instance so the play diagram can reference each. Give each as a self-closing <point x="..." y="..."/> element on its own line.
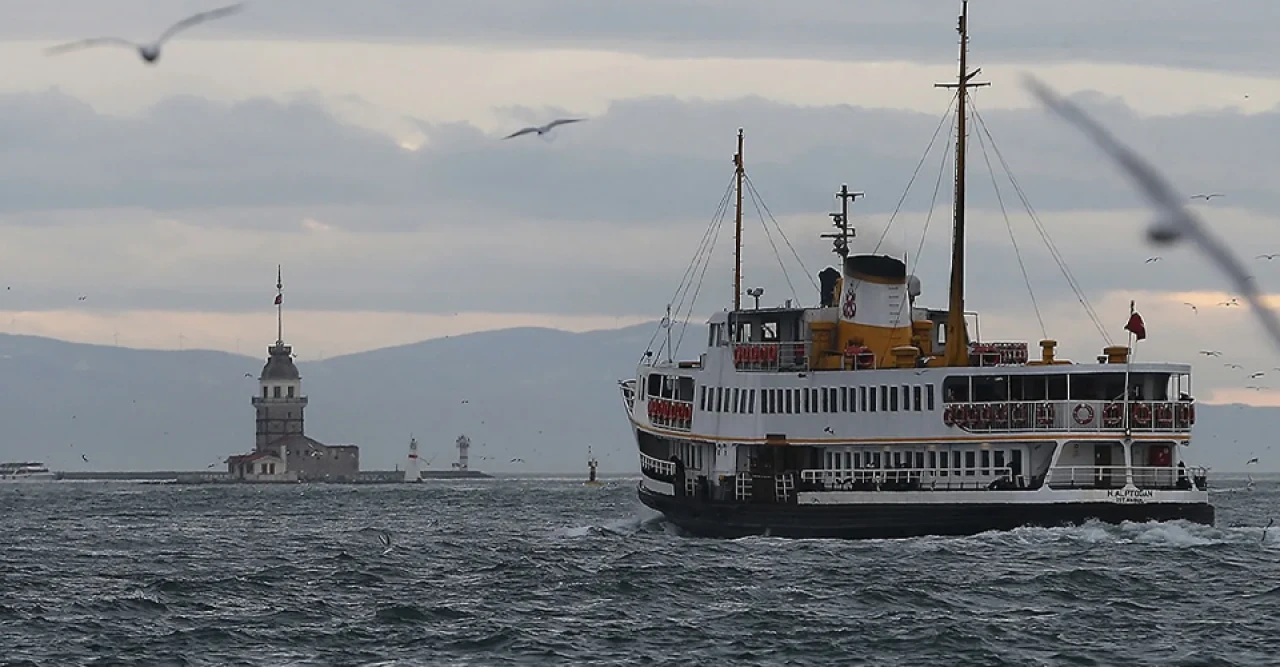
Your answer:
<point x="276" y="391"/>
<point x="264" y="392"/>
<point x="290" y="392"/>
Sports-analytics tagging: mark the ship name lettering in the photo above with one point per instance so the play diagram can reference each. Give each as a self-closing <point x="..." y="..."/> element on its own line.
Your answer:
<point x="1130" y="496"/>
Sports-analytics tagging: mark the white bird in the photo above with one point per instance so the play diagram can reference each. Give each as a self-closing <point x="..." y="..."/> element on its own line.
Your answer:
<point x="1254" y="376"/>
<point x="1192" y="306"/>
<point x="149" y="52"/>
<point x="543" y="129"/>
<point x="1230" y="303"/>
<point x="1268" y="257"/>
<point x="1211" y="353"/>
<point x="1152" y="259"/>
<point x="1233" y="366"/>
<point x="1174" y="221"/>
<point x="1209" y="196"/>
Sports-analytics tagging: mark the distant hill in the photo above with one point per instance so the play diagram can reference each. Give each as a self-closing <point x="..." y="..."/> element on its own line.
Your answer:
<point x="541" y="395"/>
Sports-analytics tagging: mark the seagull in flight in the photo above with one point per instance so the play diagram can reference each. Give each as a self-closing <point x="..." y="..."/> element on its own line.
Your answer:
<point x="150" y="52"/>
<point x="1230" y="303"/>
<point x="1208" y="196"/>
<point x="1152" y="259"/>
<point x="1256" y="375"/>
<point x="517" y="460"/>
<point x="1251" y="461"/>
<point x="543" y="129"/>
<point x="1233" y="365"/>
<point x="1192" y="306"/>
<point x="1211" y="353"/>
<point x="1174" y="221"/>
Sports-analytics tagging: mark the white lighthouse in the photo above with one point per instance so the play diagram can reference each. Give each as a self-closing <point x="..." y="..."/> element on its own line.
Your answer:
<point x="464" y="444"/>
<point x="411" y="472"/>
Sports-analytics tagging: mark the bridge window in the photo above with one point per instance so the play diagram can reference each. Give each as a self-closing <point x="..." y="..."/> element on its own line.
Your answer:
<point x="928" y="389"/>
<point x="884" y="399"/>
<point x="787" y="394"/>
<point x="751" y="401"/>
<point x="702" y="399"/>
<point x="813" y="393"/>
<point x="955" y="390"/>
<point x="862" y="399"/>
<point x="915" y="395"/>
<point x="990" y="388"/>
<point x="893" y="398"/>
<point x="969" y="463"/>
<point x="872" y="400"/>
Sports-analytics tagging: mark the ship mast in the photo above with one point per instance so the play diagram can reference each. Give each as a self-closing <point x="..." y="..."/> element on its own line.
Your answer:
<point x="737" y="229"/>
<point x="957" y="350"/>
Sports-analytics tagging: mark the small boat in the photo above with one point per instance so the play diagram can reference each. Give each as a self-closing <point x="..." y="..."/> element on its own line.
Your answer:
<point x="26" y="471"/>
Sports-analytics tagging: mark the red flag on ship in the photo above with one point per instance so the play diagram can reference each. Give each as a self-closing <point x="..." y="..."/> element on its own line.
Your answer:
<point x="1136" y="326"/>
<point x="279" y="298"/>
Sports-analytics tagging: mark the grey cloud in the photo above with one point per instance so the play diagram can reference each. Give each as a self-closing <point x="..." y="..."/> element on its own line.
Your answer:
<point x="645" y="160"/>
<point x="1156" y="32"/>
<point x="536" y="216"/>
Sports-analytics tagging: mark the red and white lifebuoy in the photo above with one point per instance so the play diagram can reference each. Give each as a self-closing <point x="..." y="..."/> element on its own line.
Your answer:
<point x="1083" y="414"/>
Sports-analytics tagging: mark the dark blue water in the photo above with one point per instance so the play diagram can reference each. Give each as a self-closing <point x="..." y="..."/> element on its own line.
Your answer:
<point x="551" y="572"/>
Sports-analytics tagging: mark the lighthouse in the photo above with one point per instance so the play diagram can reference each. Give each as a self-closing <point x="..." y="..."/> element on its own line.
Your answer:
<point x="464" y="444"/>
<point x="411" y="473"/>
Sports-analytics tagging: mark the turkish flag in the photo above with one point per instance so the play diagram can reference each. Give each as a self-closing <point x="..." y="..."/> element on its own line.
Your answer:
<point x="1136" y="326"/>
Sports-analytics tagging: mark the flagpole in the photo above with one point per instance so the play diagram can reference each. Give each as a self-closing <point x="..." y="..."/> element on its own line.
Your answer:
<point x="1128" y="361"/>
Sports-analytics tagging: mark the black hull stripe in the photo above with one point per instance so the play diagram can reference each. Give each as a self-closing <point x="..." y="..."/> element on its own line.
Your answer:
<point x="886" y="521"/>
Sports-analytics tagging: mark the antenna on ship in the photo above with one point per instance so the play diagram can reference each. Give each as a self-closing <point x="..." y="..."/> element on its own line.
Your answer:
<point x="957" y="351"/>
<point x="840" y="220"/>
<point x="739" y="171"/>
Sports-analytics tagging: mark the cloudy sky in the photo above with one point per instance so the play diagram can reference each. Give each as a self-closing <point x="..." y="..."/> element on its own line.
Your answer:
<point x="358" y="145"/>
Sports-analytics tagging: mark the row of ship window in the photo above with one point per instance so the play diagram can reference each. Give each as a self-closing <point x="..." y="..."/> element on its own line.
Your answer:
<point x="887" y="398"/>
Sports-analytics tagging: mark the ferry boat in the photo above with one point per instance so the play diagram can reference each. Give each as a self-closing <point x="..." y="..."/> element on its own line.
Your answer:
<point x="26" y="471"/>
<point x="870" y="417"/>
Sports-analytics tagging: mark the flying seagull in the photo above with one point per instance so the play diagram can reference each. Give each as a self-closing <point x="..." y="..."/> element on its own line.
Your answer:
<point x="1192" y="306"/>
<point x="543" y="129"/>
<point x="1252" y="460"/>
<point x="149" y="52"/>
<point x="1233" y="365"/>
<point x="1174" y="222"/>
<point x="1211" y="353"/>
<point x="1268" y="257"/>
<point x="1256" y="375"/>
<point x="1209" y="196"/>
<point x="1151" y="259"/>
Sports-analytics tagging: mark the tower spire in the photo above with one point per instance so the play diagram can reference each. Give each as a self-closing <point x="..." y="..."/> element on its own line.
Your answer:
<point x="279" y="307"/>
<point x="957" y="350"/>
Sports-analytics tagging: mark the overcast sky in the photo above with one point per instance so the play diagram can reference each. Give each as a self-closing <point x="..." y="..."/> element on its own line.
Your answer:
<point x="358" y="145"/>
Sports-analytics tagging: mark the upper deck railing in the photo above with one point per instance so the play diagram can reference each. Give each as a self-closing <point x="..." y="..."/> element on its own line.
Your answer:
<point x="777" y="356"/>
<point x="1070" y="416"/>
<point x="913" y="479"/>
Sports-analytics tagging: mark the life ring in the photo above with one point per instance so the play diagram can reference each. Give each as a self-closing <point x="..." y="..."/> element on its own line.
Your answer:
<point x="1192" y="412"/>
<point x="973" y="415"/>
<point x="1083" y="414"/>
<point x="1044" y="414"/>
<point x="1112" y="415"/>
<point x="1164" y="414"/>
<point x="948" y="416"/>
<point x="1142" y="414"/>
<point x="1019" y="415"/>
<point x="959" y="416"/>
<point x="1002" y="416"/>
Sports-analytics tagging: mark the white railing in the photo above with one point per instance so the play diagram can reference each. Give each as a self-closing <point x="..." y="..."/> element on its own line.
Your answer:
<point x="1070" y="416"/>
<point x="657" y="466"/>
<point x="770" y="356"/>
<point x="1114" y="476"/>
<point x="913" y="479"/>
<point x="670" y="413"/>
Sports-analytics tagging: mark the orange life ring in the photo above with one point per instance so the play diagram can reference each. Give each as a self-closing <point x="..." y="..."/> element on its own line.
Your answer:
<point x="1164" y="414"/>
<point x="948" y="417"/>
<point x="1002" y="416"/>
<point x="1083" y="414"/>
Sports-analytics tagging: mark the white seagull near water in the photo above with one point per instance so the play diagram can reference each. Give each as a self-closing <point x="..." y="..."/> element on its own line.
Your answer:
<point x="543" y="129"/>
<point x="149" y="52"/>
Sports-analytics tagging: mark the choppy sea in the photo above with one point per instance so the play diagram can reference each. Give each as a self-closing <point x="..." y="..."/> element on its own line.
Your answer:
<point x="547" y="571"/>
